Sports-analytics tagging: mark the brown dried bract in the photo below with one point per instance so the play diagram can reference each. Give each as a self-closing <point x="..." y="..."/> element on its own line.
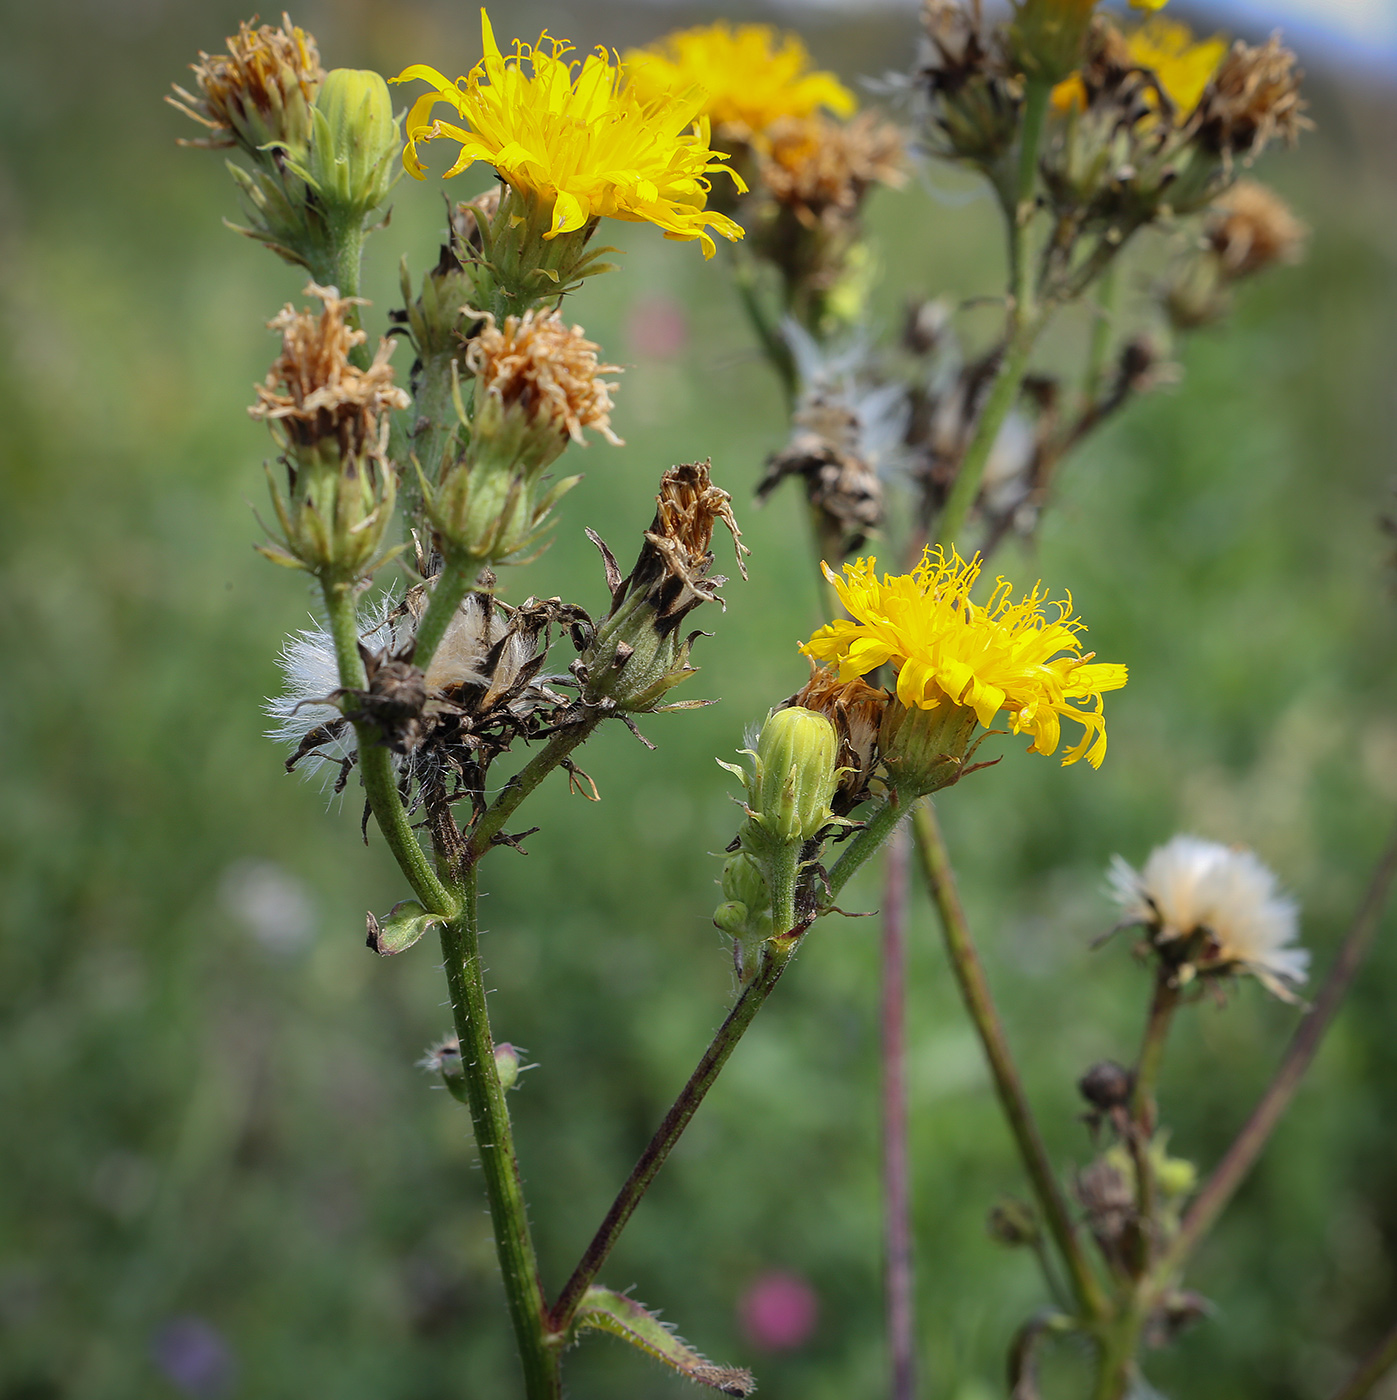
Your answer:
<point x="818" y="167"/>
<point x="855" y="708"/>
<point x="312" y="390"/>
<point x="1254" y="96"/>
<point x="1252" y="228"/>
<point x="838" y="481"/>
<point x="261" y="90"/>
<point x="552" y="370"/>
<point x="672" y="570"/>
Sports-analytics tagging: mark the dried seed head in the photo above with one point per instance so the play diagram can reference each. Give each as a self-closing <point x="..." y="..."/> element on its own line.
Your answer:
<point x="636" y="654"/>
<point x="314" y="393"/>
<point x="1252" y="228"/>
<point x="536" y="362"/>
<point x="817" y="167"/>
<point x="838" y="483"/>
<point x="855" y="708"/>
<point x="1253" y="97"/>
<point x="672" y="570"/>
<point x="260" y="92"/>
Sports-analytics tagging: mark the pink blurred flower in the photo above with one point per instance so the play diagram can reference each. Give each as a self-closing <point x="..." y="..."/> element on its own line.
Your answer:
<point x="779" y="1312"/>
<point x="657" y="328"/>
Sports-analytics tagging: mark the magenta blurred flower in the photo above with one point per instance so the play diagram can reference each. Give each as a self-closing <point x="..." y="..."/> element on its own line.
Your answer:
<point x="779" y="1312"/>
<point x="193" y="1357"/>
<point x="657" y="328"/>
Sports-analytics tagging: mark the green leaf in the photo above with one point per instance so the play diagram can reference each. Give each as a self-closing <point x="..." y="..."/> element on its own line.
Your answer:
<point x="623" y="1317"/>
<point x="405" y="924"/>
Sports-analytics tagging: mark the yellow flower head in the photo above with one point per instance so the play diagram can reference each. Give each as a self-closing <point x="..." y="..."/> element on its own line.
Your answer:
<point x="947" y="650"/>
<point x="750" y="75"/>
<point x="1182" y="65"/>
<point x="575" y="136"/>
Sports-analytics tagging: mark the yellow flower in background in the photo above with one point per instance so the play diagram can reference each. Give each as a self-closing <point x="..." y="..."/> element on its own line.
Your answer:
<point x="751" y="75"/>
<point x="1182" y="65"/>
<point x="1168" y="49"/>
<point x="571" y="134"/>
<point x="1023" y="657"/>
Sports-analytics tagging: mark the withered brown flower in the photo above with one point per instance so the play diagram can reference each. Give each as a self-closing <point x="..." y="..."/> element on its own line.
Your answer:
<point x="855" y="708"/>
<point x="1253" y="97"/>
<point x="818" y="167"/>
<point x="314" y="393"/>
<point x="259" y="92"/>
<point x="553" y="371"/>
<point x="1252" y="228"/>
<point x="839" y="482"/>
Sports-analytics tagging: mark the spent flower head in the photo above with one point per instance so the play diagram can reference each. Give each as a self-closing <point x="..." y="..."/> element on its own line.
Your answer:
<point x="1211" y="909"/>
<point x="576" y="139"/>
<point x="964" y="662"/>
<point x="259" y="94"/>
<point x="1251" y="228"/>
<point x="637" y="653"/>
<point x="1253" y="98"/>
<point x="749" y="75"/>
<point x="817" y="167"/>
<point x="331" y="417"/>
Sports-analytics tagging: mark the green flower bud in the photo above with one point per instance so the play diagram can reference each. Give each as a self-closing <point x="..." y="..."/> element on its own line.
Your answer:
<point x="794" y="775"/>
<point x="352" y="160"/>
<point x="925" y="749"/>
<point x="507" y="1065"/>
<point x="745" y="915"/>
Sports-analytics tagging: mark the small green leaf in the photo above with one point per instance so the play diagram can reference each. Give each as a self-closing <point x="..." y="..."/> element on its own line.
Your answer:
<point x="623" y="1317"/>
<point x="405" y="924"/>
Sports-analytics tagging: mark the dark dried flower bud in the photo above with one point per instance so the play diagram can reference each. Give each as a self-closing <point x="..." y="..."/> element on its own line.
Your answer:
<point x="1253" y="97"/>
<point x="1106" y="1085"/>
<point x="637" y="653"/>
<point x="974" y="98"/>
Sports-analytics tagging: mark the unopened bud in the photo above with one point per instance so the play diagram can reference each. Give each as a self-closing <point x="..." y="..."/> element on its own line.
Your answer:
<point x="745" y="914"/>
<point x="507" y="1065"/>
<point x="352" y="161"/>
<point x="1047" y="36"/>
<point x="794" y="776"/>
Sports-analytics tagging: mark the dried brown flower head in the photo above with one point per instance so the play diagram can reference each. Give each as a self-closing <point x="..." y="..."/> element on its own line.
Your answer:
<point x="838" y="481"/>
<point x="1252" y="228"/>
<point x="260" y="91"/>
<point x="672" y="570"/>
<point x="552" y="371"/>
<point x="314" y="393"/>
<point x="855" y="708"/>
<point x="816" y="166"/>
<point x="1253" y="97"/>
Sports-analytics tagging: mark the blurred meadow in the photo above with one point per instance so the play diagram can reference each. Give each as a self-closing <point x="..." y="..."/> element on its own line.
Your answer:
<point x="222" y="1173"/>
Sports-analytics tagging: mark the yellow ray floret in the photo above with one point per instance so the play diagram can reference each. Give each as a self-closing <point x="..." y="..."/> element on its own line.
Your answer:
<point x="572" y="134"/>
<point x="1182" y="65"/>
<point x="1023" y="657"/>
<point x="751" y="74"/>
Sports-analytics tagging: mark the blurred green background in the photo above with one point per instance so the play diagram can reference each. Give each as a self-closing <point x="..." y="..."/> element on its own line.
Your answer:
<point x="222" y="1174"/>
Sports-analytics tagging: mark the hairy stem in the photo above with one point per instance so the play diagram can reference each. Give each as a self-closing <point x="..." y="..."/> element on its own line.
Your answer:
<point x="862" y="845"/>
<point x="751" y="1000"/>
<point x="1241" y="1156"/>
<point x="974" y="988"/>
<point x="1371" y="1371"/>
<point x="376" y="764"/>
<point x="526" y="780"/>
<point x="539" y="1350"/>
<point x="897" y="1206"/>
